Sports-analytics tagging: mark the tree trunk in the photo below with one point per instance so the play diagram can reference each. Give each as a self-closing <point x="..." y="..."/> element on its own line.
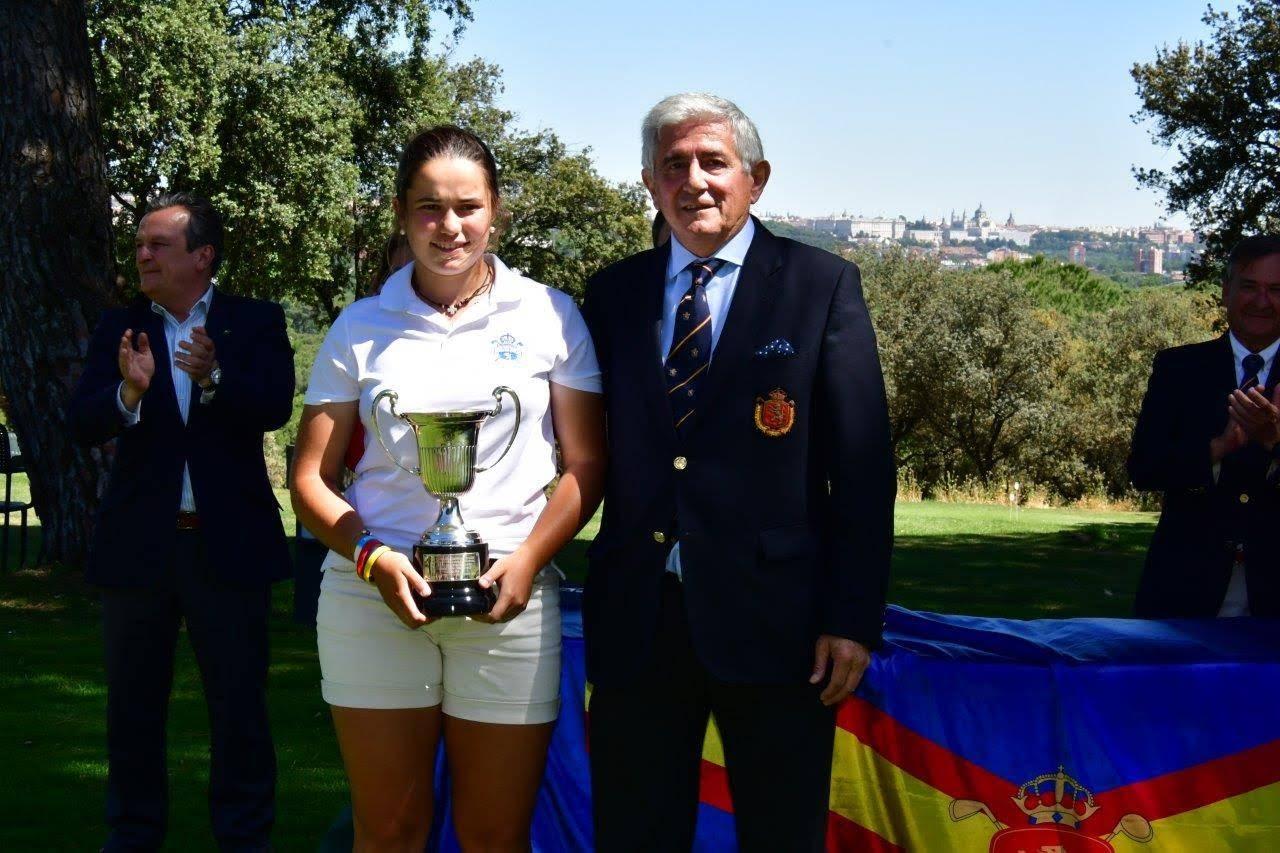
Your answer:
<point x="55" y="256"/>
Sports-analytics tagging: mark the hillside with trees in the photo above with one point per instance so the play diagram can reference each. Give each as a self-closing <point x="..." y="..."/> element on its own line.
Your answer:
<point x="1069" y="288"/>
<point x="290" y="117"/>
<point x="1024" y="372"/>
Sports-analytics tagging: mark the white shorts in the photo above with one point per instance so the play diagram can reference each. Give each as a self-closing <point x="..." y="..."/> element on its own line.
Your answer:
<point x="504" y="673"/>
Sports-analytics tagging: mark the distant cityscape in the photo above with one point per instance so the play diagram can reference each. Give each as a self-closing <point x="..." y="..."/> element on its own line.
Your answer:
<point x="974" y="240"/>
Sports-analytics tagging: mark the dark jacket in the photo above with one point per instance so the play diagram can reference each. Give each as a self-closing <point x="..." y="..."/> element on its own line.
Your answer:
<point x="1202" y="520"/>
<point x="221" y="442"/>
<point x="782" y="537"/>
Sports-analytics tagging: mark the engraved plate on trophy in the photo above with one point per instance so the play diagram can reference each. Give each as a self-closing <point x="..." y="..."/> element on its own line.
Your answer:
<point x="449" y="556"/>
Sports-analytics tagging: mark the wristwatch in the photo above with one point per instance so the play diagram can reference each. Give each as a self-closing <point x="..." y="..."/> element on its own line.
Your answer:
<point x="207" y="391"/>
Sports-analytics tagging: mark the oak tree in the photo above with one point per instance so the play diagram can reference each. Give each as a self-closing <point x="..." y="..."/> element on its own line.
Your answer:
<point x="1217" y="104"/>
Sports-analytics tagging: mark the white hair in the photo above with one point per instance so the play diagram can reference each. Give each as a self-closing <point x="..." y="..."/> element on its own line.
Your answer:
<point x="678" y="109"/>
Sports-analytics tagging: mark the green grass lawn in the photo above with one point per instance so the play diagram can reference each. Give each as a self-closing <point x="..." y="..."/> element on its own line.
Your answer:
<point x="1026" y="563"/>
<point x="949" y="557"/>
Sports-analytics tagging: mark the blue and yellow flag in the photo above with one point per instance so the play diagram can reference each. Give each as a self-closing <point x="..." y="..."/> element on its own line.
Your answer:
<point x="1072" y="736"/>
<point x="975" y="734"/>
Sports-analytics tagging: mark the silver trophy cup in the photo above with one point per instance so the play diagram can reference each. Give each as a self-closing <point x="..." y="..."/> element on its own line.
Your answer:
<point x="450" y="557"/>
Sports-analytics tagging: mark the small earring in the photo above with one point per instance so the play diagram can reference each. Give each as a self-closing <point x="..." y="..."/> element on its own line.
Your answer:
<point x="493" y="228"/>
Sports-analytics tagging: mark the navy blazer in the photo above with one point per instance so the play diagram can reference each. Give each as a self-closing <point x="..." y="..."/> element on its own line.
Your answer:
<point x="783" y="537"/>
<point x="221" y="442"/>
<point x="1189" y="561"/>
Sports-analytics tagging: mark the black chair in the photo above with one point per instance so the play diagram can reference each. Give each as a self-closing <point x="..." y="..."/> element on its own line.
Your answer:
<point x="10" y="464"/>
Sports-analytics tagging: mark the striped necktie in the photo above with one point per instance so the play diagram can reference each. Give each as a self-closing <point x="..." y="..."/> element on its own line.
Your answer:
<point x="1252" y="364"/>
<point x="690" y="352"/>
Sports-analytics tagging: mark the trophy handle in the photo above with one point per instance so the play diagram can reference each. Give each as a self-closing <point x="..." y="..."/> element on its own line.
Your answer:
<point x="497" y="395"/>
<point x="377" y="430"/>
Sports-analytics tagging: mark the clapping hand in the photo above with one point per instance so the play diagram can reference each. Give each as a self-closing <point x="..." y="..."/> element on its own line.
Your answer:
<point x="137" y="366"/>
<point x="196" y="357"/>
<point x="1231" y="439"/>
<point x="1257" y="416"/>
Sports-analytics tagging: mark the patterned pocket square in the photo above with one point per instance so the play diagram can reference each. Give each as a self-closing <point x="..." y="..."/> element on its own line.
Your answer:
<point x="777" y="348"/>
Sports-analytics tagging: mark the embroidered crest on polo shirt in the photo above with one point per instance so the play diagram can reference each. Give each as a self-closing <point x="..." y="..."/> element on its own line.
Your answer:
<point x="506" y="347"/>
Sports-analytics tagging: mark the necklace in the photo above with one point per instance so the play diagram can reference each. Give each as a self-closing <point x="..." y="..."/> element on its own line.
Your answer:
<point x="452" y="308"/>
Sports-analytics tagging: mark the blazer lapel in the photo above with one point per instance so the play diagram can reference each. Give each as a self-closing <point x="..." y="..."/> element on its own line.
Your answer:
<point x="1224" y="368"/>
<point x="751" y="299"/>
<point x="160" y="398"/>
<point x="1273" y="375"/>
<point x="217" y="325"/>
<point x="648" y="348"/>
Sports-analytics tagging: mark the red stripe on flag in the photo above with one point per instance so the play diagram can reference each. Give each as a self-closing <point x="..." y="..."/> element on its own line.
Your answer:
<point x="843" y="835"/>
<point x="1192" y="787"/>
<point x="714" y="786"/>
<point x="1159" y="797"/>
<point x="929" y="762"/>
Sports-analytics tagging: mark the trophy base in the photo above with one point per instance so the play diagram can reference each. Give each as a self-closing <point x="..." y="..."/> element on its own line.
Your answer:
<point x="456" y="598"/>
<point x="454" y="575"/>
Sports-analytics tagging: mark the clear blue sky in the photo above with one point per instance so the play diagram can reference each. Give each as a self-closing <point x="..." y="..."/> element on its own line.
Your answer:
<point x="871" y="108"/>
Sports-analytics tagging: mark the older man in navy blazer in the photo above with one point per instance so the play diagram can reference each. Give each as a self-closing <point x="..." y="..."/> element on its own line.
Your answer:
<point x="187" y="378"/>
<point x="741" y="565"/>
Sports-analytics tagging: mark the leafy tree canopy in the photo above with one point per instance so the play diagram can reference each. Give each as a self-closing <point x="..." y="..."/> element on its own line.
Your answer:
<point x="291" y="114"/>
<point x="1021" y="371"/>
<point x="1217" y="104"/>
<point x="1070" y="288"/>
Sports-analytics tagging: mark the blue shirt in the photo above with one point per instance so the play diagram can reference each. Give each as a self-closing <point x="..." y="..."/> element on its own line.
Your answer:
<point x="719" y="297"/>
<point x="719" y="290"/>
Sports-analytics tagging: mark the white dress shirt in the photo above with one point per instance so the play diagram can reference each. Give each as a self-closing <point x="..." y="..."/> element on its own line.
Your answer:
<point x="175" y="331"/>
<point x="720" y="292"/>
<point x="1239" y="350"/>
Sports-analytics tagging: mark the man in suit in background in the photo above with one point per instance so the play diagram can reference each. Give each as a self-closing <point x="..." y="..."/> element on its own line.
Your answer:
<point x="187" y="378"/>
<point x="1207" y="437"/>
<point x="741" y="565"/>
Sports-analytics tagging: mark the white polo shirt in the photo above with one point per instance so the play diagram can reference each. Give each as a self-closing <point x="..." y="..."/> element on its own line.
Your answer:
<point x="520" y="334"/>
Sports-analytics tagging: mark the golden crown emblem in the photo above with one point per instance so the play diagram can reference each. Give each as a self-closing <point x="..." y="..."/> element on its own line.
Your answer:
<point x="1056" y="798"/>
